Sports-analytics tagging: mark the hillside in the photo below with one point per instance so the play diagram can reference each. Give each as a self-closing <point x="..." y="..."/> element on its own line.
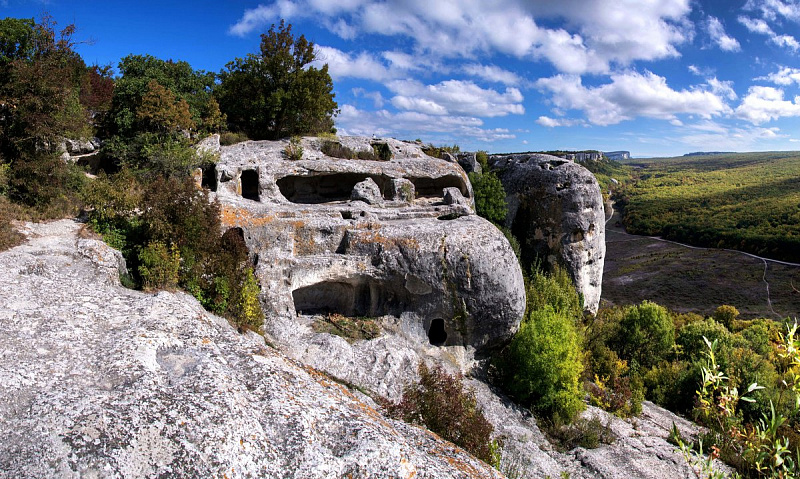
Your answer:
<point x="746" y="201"/>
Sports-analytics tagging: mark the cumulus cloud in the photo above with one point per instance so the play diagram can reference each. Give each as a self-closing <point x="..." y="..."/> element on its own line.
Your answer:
<point x="554" y="122"/>
<point x="492" y="74"/>
<point x="455" y="97"/>
<point x="722" y="39"/>
<point x="722" y="88"/>
<point x="596" y="33"/>
<point x="785" y="76"/>
<point x="631" y="95"/>
<point x="765" y="103"/>
<point x="347" y="65"/>
<point x="353" y="121"/>
<point x="706" y="133"/>
<point x="772" y="9"/>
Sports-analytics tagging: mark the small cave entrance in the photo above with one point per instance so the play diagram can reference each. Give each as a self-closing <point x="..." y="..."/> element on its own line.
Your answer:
<point x="437" y="336"/>
<point x="325" y="188"/>
<point x="432" y="187"/>
<point x="352" y="297"/>
<point x="250" y="185"/>
<point x="209" y="178"/>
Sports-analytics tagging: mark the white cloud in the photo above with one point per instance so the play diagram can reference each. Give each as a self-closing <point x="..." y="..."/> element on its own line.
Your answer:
<point x="492" y="73"/>
<point x="346" y="65"/>
<point x="764" y="103"/>
<point x="596" y="34"/>
<point x="722" y="88"/>
<point x="631" y="95"/>
<point x="771" y="9"/>
<point x="455" y="97"/>
<point x="756" y="25"/>
<point x="722" y="39"/>
<point x="702" y="134"/>
<point x="375" y="96"/>
<point x="352" y="121"/>
<point x="785" y="76"/>
<point x="554" y="122"/>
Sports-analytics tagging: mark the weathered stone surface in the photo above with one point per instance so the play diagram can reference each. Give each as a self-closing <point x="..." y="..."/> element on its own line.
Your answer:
<point x="209" y="144"/>
<point x="408" y="260"/>
<point x="469" y="162"/>
<point x="367" y="191"/>
<point x="100" y="381"/>
<point x="555" y="209"/>
<point x="81" y="146"/>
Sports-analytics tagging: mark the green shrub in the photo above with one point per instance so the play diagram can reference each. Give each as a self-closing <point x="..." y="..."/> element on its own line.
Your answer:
<point x="247" y="309"/>
<point x="230" y="138"/>
<point x="382" y="151"/>
<point x="336" y="150"/>
<point x="482" y="158"/>
<point x="9" y="236"/>
<point x="294" y="149"/>
<point x="158" y="266"/>
<point x="757" y="336"/>
<point x="646" y="334"/>
<point x="440" y="403"/>
<point x="672" y="385"/>
<point x="690" y="338"/>
<point x="490" y="197"/>
<point x="556" y="290"/>
<point x="545" y="357"/>
<point x="726" y="315"/>
<point x="585" y="433"/>
<point x="46" y="184"/>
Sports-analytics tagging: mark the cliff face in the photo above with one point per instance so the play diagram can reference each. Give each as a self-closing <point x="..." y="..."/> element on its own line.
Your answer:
<point x="393" y="240"/>
<point x="100" y="381"/>
<point x="555" y="209"/>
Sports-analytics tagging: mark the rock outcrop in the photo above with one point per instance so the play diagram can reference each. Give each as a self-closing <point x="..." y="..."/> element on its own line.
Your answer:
<point x="555" y="210"/>
<point x="100" y="381"/>
<point x="393" y="240"/>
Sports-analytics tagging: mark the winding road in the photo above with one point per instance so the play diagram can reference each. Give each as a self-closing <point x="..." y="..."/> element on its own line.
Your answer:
<point x="766" y="261"/>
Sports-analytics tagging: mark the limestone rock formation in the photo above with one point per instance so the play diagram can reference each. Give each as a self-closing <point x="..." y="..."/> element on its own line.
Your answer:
<point x="393" y="240"/>
<point x="555" y="209"/>
<point x="469" y="161"/>
<point x="100" y="381"/>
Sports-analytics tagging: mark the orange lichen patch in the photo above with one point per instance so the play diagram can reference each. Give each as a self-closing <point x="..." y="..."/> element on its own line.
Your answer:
<point x="233" y="216"/>
<point x="375" y="237"/>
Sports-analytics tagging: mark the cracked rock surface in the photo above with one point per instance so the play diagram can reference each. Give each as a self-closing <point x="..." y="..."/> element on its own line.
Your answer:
<point x="100" y="381"/>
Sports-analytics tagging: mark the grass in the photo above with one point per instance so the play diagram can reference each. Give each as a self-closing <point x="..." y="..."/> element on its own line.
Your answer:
<point x="352" y="329"/>
<point x="694" y="280"/>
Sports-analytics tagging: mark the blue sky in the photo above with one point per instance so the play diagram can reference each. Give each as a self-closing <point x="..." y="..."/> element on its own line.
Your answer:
<point x="656" y="77"/>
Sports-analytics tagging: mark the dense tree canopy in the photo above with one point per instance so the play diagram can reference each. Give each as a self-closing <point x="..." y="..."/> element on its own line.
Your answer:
<point x="275" y="93"/>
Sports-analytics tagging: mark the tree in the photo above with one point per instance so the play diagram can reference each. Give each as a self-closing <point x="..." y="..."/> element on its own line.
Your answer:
<point x="546" y="356"/>
<point x="160" y="111"/>
<point x="490" y="197"/>
<point x="646" y="334"/>
<point x="275" y="93"/>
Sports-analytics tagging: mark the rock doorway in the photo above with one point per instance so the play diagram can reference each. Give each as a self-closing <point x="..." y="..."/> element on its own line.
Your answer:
<point x="437" y="336"/>
<point x="250" y="185"/>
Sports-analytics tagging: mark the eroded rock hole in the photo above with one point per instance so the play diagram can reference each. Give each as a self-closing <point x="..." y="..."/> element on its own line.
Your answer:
<point x="432" y="187"/>
<point x="436" y="333"/>
<point x="250" y="185"/>
<point x="209" y="178"/>
<point x="352" y="297"/>
<point x="325" y="188"/>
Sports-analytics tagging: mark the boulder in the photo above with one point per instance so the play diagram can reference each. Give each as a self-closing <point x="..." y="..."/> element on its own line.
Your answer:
<point x="453" y="196"/>
<point x="209" y="144"/>
<point x="469" y="162"/>
<point x="367" y="191"/>
<point x="555" y="209"/>
<point x="100" y="381"/>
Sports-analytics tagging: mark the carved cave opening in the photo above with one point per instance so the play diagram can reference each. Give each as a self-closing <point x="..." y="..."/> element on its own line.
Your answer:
<point x="436" y="332"/>
<point x="209" y="178"/>
<point x="432" y="187"/>
<point x="325" y="188"/>
<point x="250" y="185"/>
<point x="352" y="297"/>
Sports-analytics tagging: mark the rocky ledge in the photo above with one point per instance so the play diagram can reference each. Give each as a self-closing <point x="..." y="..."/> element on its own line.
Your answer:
<point x="100" y="381"/>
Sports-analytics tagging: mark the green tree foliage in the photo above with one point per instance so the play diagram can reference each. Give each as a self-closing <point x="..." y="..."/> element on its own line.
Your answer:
<point x="546" y="353"/>
<point x="490" y="197"/>
<point x="646" y="334"/>
<point x="726" y="315"/>
<point x="440" y="403"/>
<point x="276" y="93"/>
<point x="160" y="111"/>
<point x="41" y="77"/>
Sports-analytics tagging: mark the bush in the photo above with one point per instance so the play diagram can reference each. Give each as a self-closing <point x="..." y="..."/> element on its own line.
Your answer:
<point x="294" y="149"/>
<point x="440" y="403"/>
<point x="46" y="184"/>
<point x="690" y="338"/>
<point x="726" y="315"/>
<point x="336" y="150"/>
<point x="546" y="358"/>
<point x="158" y="266"/>
<point x="482" y="157"/>
<point x="490" y="197"/>
<point x="230" y="138"/>
<point x="646" y="334"/>
<point x="555" y="290"/>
